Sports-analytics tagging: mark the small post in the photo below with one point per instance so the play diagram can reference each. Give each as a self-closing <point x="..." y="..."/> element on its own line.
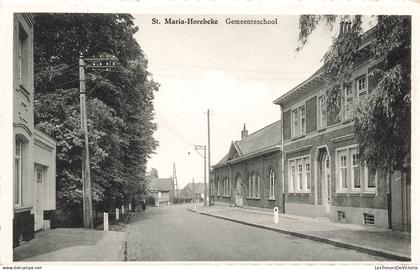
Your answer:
<point x="129" y="207"/>
<point x="117" y="214"/>
<point x="168" y="203"/>
<point x="276" y="215"/>
<point x="106" y="222"/>
<point x="122" y="209"/>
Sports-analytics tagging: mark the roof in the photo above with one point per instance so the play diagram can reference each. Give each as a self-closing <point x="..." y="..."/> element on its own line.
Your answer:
<point x="316" y="80"/>
<point x="267" y="138"/>
<point x="161" y="184"/>
<point x="187" y="190"/>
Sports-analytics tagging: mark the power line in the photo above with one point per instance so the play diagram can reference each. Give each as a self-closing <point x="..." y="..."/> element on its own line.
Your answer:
<point x="229" y="69"/>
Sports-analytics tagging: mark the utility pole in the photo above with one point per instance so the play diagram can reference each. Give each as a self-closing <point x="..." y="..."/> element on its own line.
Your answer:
<point x="175" y="182"/>
<point x="208" y="158"/>
<point x="204" y="149"/>
<point x="87" y="186"/>
<point x="102" y="62"/>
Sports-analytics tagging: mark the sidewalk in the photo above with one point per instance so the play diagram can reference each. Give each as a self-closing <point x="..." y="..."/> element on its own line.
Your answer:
<point x="73" y="244"/>
<point x="372" y="240"/>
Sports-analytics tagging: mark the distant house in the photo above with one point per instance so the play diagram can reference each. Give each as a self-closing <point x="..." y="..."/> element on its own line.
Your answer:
<point x="194" y="191"/>
<point x="162" y="190"/>
<point x="34" y="151"/>
<point x="249" y="175"/>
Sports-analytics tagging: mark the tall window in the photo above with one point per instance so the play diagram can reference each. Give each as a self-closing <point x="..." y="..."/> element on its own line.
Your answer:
<point x="353" y="176"/>
<point x="18" y="173"/>
<point x="295" y="123"/>
<point x="343" y="169"/>
<point x="292" y="175"/>
<point x="348" y="100"/>
<point x="307" y="172"/>
<point x="361" y="86"/>
<point x="322" y="112"/>
<point x="272" y="178"/>
<point x="254" y="186"/>
<point x="300" y="174"/>
<point x="299" y="178"/>
<point x="250" y="186"/>
<point x="298" y="121"/>
<point x="355" y="170"/>
<point x="23" y="57"/>
<point x="302" y="115"/>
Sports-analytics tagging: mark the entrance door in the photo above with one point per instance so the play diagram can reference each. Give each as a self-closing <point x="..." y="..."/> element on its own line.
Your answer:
<point x="39" y="212"/>
<point x="239" y="197"/>
<point x="326" y="171"/>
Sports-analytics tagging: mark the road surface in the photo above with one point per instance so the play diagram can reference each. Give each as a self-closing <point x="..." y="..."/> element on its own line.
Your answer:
<point x="171" y="233"/>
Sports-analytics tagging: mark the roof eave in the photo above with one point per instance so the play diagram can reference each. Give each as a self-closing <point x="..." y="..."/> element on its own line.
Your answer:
<point x="255" y="154"/>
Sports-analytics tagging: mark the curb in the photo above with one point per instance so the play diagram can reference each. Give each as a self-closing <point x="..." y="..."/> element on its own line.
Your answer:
<point x="371" y="251"/>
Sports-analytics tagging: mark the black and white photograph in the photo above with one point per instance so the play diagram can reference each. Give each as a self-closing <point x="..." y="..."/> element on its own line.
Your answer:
<point x="208" y="137"/>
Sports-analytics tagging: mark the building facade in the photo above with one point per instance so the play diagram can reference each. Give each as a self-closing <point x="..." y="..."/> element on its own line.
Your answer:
<point x="162" y="190"/>
<point x="34" y="151"/>
<point x="323" y="176"/>
<point x="249" y="175"/>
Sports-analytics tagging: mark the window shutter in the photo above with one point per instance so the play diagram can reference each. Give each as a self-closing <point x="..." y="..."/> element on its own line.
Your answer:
<point x="311" y="114"/>
<point x="287" y="125"/>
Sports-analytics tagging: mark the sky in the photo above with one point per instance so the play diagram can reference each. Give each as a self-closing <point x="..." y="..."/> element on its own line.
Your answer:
<point x="235" y="71"/>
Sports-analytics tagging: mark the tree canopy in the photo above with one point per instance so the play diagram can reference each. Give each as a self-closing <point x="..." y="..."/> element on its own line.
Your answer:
<point x="119" y="105"/>
<point x="381" y="119"/>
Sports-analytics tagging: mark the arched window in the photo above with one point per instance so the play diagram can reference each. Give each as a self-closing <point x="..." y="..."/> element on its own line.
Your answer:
<point x="272" y="178"/>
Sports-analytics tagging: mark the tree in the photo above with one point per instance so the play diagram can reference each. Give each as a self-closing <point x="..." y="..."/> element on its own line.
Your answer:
<point x="119" y="106"/>
<point x="382" y="119"/>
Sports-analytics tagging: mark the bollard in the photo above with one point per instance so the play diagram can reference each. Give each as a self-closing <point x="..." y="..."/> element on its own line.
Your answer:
<point x="168" y="203"/>
<point x="117" y="214"/>
<point x="276" y="215"/>
<point x="129" y="207"/>
<point x="122" y="209"/>
<point x="106" y="222"/>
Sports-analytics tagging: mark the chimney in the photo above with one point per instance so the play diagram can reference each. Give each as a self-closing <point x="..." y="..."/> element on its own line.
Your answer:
<point x="244" y="132"/>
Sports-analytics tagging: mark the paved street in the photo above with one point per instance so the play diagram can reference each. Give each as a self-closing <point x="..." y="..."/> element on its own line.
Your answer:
<point x="175" y="234"/>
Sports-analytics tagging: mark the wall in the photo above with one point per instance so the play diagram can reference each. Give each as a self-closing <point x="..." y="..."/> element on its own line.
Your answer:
<point x="260" y="165"/>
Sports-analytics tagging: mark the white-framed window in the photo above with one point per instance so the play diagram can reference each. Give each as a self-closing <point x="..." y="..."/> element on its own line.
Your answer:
<point x="298" y="121"/>
<point x="355" y="170"/>
<point x="307" y="163"/>
<point x="295" y="123"/>
<point x="272" y="180"/>
<point x="300" y="174"/>
<point x="322" y="112"/>
<point x="250" y="190"/>
<point x="23" y="57"/>
<point x="226" y="187"/>
<point x="18" y="173"/>
<point x="352" y="176"/>
<point x="254" y="186"/>
<point x="361" y="86"/>
<point x="302" y="115"/>
<point x="299" y="177"/>
<point x="348" y="101"/>
<point x="292" y="175"/>
<point x="342" y="171"/>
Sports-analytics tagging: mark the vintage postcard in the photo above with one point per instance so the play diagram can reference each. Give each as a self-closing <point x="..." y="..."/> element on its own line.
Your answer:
<point x="210" y="132"/>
